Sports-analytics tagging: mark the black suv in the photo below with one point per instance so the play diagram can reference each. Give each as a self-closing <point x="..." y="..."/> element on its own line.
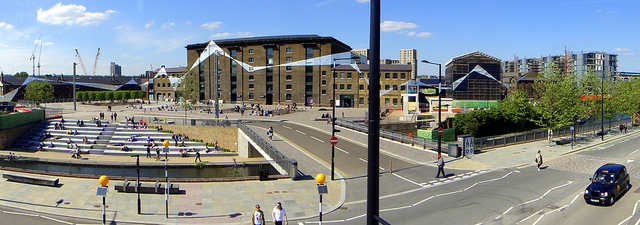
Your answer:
<point x="609" y="181"/>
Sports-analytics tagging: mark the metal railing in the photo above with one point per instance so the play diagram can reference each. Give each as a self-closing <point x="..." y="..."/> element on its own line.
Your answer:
<point x="287" y="164"/>
<point x="587" y="130"/>
<point x="393" y="135"/>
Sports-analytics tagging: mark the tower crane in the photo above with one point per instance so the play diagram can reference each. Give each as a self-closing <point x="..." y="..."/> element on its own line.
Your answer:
<point x="95" y="65"/>
<point x="33" y="55"/>
<point x="39" y="54"/>
<point x="81" y="63"/>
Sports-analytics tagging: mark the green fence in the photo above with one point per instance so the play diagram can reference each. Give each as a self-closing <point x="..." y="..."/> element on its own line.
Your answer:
<point x="449" y="135"/>
<point x="21" y="118"/>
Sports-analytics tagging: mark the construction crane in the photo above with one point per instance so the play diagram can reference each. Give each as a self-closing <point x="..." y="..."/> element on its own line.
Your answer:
<point x="95" y="65"/>
<point x="39" y="54"/>
<point x="81" y="63"/>
<point x="33" y="55"/>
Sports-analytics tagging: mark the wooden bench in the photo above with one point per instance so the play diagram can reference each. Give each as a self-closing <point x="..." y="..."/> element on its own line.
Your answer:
<point x="29" y="179"/>
<point x="146" y="188"/>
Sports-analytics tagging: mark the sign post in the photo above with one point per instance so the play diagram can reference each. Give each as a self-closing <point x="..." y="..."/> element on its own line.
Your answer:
<point x="322" y="189"/>
<point x="333" y="141"/>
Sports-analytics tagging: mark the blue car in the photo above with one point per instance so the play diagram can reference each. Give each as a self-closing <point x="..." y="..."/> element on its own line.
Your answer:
<point x="609" y="182"/>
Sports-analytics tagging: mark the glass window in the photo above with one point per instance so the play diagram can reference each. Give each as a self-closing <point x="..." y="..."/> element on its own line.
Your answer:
<point x="269" y="51"/>
<point x="289" y="68"/>
<point x="395" y="101"/>
<point x="250" y="77"/>
<point x="348" y="86"/>
<point x="361" y="75"/>
<point x="324" y="82"/>
<point x="387" y="75"/>
<point x="289" y="77"/>
<point x="288" y="87"/>
<point x="289" y="59"/>
<point x="386" y="87"/>
<point x="341" y="74"/>
<point x="250" y="95"/>
<point x="288" y="96"/>
<point x="361" y="101"/>
<point x="341" y="86"/>
<point x="395" y="75"/>
<point x="412" y="99"/>
<point x="361" y="87"/>
<point x="403" y="76"/>
<point x="163" y="84"/>
<point x="324" y="92"/>
<point x="289" y="50"/>
<point x="251" y="86"/>
<point x="348" y="75"/>
<point x="251" y="59"/>
<point x="387" y="101"/>
<point x="251" y="51"/>
<point x="402" y="88"/>
<point x="395" y="87"/>
<point x="324" y="72"/>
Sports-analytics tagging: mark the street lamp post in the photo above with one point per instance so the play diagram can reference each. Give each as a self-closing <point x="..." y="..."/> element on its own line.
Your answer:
<point x="74" y="86"/>
<point x="138" y="180"/>
<point x="333" y="115"/>
<point x="602" y="107"/>
<point x="439" y="102"/>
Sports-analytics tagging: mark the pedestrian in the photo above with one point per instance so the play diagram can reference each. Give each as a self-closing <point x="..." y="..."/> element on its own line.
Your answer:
<point x="258" y="216"/>
<point x="279" y="215"/>
<point x="198" y="156"/>
<point x="148" y="151"/>
<point x="115" y="116"/>
<point x="157" y="154"/>
<point x="112" y="116"/>
<point x="270" y="133"/>
<point x="440" y="166"/>
<point x="539" y="159"/>
<point x="550" y="136"/>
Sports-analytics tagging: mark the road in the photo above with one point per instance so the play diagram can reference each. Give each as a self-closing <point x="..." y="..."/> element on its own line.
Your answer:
<point x="411" y="195"/>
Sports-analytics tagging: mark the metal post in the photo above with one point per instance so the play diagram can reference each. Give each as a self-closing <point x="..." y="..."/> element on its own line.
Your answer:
<point x="373" y="186"/>
<point x="74" y="86"/>
<point x="602" y="107"/>
<point x="216" y="92"/>
<point x="320" y="209"/>
<point x="333" y="125"/>
<point x="166" y="186"/>
<point x="138" y="181"/>
<point x="439" y="108"/>
<point x="104" y="210"/>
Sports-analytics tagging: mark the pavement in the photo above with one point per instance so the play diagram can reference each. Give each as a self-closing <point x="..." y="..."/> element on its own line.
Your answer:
<point x="233" y="202"/>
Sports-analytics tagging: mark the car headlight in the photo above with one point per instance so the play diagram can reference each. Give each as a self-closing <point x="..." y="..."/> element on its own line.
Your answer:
<point x="586" y="192"/>
<point x="604" y="194"/>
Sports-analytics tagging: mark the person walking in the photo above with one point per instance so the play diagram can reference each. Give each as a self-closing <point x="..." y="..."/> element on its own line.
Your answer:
<point x="148" y="151"/>
<point x="198" y="156"/>
<point x="157" y="154"/>
<point x="270" y="133"/>
<point x="539" y="159"/>
<point x="440" y="167"/>
<point x="257" y="217"/>
<point x="279" y="215"/>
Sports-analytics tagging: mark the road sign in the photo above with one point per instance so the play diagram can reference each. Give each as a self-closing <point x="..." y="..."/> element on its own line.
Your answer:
<point x="322" y="189"/>
<point x="334" y="140"/>
<point x="440" y="131"/>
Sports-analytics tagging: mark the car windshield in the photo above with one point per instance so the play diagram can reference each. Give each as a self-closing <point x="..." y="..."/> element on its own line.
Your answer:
<point x="603" y="177"/>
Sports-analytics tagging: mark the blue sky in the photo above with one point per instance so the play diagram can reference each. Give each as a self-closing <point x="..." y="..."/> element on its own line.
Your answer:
<point x="135" y="34"/>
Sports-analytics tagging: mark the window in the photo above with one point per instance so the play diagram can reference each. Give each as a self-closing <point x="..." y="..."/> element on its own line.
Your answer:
<point x="251" y="51"/>
<point x="158" y="84"/>
<point x="403" y="76"/>
<point x="348" y="86"/>
<point x="324" y="82"/>
<point x="250" y="77"/>
<point x="341" y="74"/>
<point x="412" y="98"/>
<point x="361" y="75"/>
<point x="251" y="60"/>
<point x="251" y="86"/>
<point x="324" y="72"/>
<point x="386" y="101"/>
<point x="289" y="68"/>
<point x="348" y="75"/>
<point x="395" y="101"/>
<point x="402" y="88"/>
<point x="288" y="87"/>
<point x="163" y="84"/>
<point x="324" y="92"/>
<point x="395" y="75"/>
<point x="361" y="87"/>
<point x="341" y="86"/>
<point x="386" y="75"/>
<point x="288" y="97"/>
<point x="361" y="101"/>
<point x="289" y="77"/>
<point x="289" y="59"/>
<point x="289" y="50"/>
<point x="395" y="87"/>
<point x="386" y="87"/>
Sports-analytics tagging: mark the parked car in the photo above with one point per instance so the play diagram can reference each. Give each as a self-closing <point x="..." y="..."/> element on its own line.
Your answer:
<point x="609" y="182"/>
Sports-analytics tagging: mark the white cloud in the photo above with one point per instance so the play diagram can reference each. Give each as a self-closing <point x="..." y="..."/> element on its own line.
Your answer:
<point x="167" y="25"/>
<point x="421" y="34"/>
<point x="622" y="49"/>
<point x="362" y="1"/>
<point x="5" y="25"/>
<point x="188" y="22"/>
<point x="598" y="10"/>
<point x="628" y="53"/>
<point x="149" y="24"/>
<point x="211" y="25"/>
<point x="396" y="25"/>
<point x="227" y="34"/>
<point x="71" y="14"/>
<point x="118" y="27"/>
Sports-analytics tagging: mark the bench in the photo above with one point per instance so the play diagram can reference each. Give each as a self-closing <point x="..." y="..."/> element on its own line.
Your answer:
<point x="29" y="179"/>
<point x="146" y="188"/>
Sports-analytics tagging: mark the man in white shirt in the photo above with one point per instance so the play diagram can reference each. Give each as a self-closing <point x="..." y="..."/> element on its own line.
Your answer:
<point x="258" y="216"/>
<point x="279" y="214"/>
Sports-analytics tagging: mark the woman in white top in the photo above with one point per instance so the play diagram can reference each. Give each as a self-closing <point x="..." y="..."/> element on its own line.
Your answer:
<point x="279" y="215"/>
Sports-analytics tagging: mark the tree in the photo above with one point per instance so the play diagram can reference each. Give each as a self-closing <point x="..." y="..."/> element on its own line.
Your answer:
<point x="21" y="74"/>
<point x="626" y="97"/>
<point x="560" y="101"/>
<point x="126" y="95"/>
<point x="92" y="95"/>
<point x="117" y="95"/>
<point x="101" y="95"/>
<point x="38" y="91"/>
<point x="189" y="88"/>
<point x="109" y="95"/>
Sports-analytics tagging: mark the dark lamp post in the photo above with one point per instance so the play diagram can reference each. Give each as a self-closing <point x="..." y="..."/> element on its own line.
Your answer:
<point x="439" y="102"/>
<point x="333" y="116"/>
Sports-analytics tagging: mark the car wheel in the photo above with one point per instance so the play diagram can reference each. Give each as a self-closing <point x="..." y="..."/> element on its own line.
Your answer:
<point x="628" y="187"/>
<point x="612" y="200"/>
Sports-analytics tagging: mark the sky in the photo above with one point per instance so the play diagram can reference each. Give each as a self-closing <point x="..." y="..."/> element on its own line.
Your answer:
<point x="140" y="34"/>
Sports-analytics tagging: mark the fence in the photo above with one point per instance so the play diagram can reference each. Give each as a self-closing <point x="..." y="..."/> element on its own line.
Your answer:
<point x="535" y="135"/>
<point x="287" y="164"/>
<point x="393" y="135"/>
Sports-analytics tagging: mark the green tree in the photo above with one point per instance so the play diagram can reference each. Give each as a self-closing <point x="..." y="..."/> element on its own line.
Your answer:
<point x="21" y="74"/>
<point x="38" y="91"/>
<point x="101" y="95"/>
<point x="109" y="95"/>
<point x="117" y="95"/>
<point x="560" y="97"/>
<point x="126" y="95"/>
<point x="626" y="97"/>
<point x="92" y="95"/>
<point x="79" y="95"/>
<point x="189" y="88"/>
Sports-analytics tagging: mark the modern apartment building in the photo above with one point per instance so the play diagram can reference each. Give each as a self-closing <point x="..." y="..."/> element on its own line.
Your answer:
<point x="602" y="63"/>
<point x="475" y="76"/>
<point x="115" y="70"/>
<point x="410" y="57"/>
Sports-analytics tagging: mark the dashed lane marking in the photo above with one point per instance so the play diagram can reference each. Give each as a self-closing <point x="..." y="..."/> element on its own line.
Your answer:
<point x="345" y="152"/>
<point x="317" y="139"/>
<point x="286" y="127"/>
<point x="303" y="133"/>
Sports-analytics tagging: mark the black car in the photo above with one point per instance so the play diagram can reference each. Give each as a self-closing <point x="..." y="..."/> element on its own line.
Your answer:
<point x="609" y="182"/>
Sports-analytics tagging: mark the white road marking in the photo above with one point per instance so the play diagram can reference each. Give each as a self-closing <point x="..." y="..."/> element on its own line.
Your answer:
<point x="303" y="133"/>
<point x="57" y="220"/>
<point x="632" y="152"/>
<point x="17" y="213"/>
<point x="361" y="159"/>
<point x="286" y="127"/>
<point x="317" y="139"/>
<point x="633" y="213"/>
<point x="410" y="181"/>
<point x="529" y="217"/>
<point x="559" y="209"/>
<point x="345" y="152"/>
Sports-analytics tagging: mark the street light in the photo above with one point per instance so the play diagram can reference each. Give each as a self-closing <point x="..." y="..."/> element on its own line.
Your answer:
<point x="602" y="106"/>
<point x="138" y="180"/>
<point x="439" y="102"/>
<point x="74" y="86"/>
<point x="333" y="115"/>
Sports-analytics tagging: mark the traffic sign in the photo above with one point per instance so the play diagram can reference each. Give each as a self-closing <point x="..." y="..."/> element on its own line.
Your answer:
<point x="440" y="131"/>
<point x="334" y="140"/>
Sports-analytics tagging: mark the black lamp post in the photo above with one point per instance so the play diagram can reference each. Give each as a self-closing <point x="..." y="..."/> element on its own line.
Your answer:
<point x="439" y="102"/>
<point x="333" y="116"/>
<point x="138" y="180"/>
<point x="602" y="107"/>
